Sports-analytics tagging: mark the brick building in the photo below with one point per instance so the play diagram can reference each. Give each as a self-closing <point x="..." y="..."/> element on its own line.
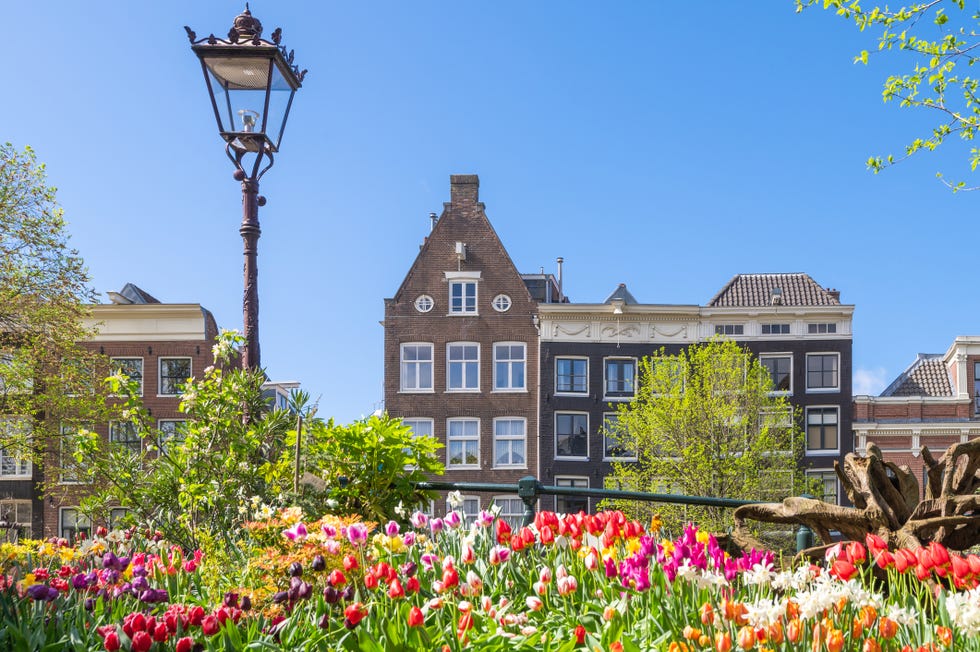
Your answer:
<point x="461" y="355"/>
<point x="158" y="344"/>
<point x="935" y="402"/>
<point x="590" y="352"/>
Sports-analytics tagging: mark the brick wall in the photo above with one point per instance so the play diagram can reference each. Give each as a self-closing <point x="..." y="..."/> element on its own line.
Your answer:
<point x="464" y="220"/>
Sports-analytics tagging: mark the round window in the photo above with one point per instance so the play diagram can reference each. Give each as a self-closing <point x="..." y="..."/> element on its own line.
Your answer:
<point x="501" y="303"/>
<point x="424" y="303"/>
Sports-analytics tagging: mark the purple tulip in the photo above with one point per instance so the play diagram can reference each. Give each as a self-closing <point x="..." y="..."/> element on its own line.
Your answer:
<point x="392" y="529"/>
<point x="357" y="534"/>
<point x="296" y="533"/>
<point x="419" y="520"/>
<point x="331" y="595"/>
<point x="280" y="597"/>
<point x="79" y="581"/>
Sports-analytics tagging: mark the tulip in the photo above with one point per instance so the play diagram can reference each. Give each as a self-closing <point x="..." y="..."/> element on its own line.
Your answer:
<point x="141" y="642"/>
<point x="160" y="633"/>
<point x="835" y="640"/>
<point x="185" y="644"/>
<point x="415" y="617"/>
<point x="419" y="520"/>
<point x="392" y="529"/>
<point x="723" y="642"/>
<point x="608" y="613"/>
<point x="534" y="603"/>
<point x="503" y="532"/>
<point x="746" y="638"/>
<point x="843" y="569"/>
<point x="888" y="628"/>
<point x="453" y="520"/>
<point x="336" y="578"/>
<point x="871" y="645"/>
<point x="354" y="613"/>
<point x="111" y="642"/>
<point x="296" y="533"/>
<point x="357" y="534"/>
<point x="396" y="590"/>
<point x="295" y="569"/>
<point x="210" y="625"/>
<point x="707" y="614"/>
<point x="944" y="635"/>
<point x="579" y="635"/>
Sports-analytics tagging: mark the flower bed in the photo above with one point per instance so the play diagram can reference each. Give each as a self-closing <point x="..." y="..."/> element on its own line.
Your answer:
<point x="596" y="582"/>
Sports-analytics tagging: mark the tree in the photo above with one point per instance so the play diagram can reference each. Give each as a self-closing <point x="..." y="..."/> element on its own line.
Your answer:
<point x="703" y="423"/>
<point x="942" y="42"/>
<point x="44" y="291"/>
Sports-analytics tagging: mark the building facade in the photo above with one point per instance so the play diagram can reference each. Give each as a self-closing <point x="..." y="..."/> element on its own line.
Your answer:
<point x="590" y="352"/>
<point x="516" y="380"/>
<point x="935" y="402"/>
<point x="159" y="345"/>
<point x="461" y="350"/>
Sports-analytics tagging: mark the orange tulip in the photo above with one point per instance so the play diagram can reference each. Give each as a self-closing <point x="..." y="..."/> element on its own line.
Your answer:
<point x="746" y="638"/>
<point x="835" y="640"/>
<point x="723" y="642"/>
<point x="887" y="628"/>
<point x="868" y="614"/>
<point x="944" y="635"/>
<point x="707" y="614"/>
<point x="691" y="633"/>
<point x="794" y="631"/>
<point x="871" y="645"/>
<point x="776" y="632"/>
<point x="857" y="628"/>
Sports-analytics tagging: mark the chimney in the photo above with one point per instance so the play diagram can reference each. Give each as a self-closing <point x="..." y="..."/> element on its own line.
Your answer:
<point x="464" y="188"/>
<point x="433" y="218"/>
<point x="834" y="294"/>
<point x="561" y="294"/>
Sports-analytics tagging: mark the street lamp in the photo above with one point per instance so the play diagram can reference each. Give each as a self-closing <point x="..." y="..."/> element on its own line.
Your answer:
<point x="255" y="80"/>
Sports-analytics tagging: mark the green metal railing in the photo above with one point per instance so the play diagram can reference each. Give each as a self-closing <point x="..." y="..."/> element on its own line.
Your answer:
<point x="528" y="489"/>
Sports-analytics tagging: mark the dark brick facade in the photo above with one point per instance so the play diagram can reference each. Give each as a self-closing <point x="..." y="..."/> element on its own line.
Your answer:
<point x="464" y="220"/>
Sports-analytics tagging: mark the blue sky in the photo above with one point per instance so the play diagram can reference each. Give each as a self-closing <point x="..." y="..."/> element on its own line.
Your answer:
<point x="667" y="146"/>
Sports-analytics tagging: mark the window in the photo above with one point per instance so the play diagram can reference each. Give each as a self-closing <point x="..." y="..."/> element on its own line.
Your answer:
<point x="572" y="435"/>
<point x="416" y="369"/>
<point x="469" y="509"/>
<point x="828" y="483"/>
<point x="462" y="297"/>
<point x="116" y="517"/>
<point x="976" y="387"/>
<point x="463" y="367"/>
<point x="780" y="368"/>
<point x="775" y="329"/>
<point x="15" y="376"/>
<point x="820" y="329"/>
<point x="669" y="373"/>
<point x="508" y="367"/>
<point x="171" y="431"/>
<point x="511" y="510"/>
<point x="776" y="484"/>
<point x="620" y="377"/>
<point x="729" y="329"/>
<point x="420" y="428"/>
<point x="572" y="375"/>
<point x="174" y="372"/>
<point x="14" y="461"/>
<point x="776" y="417"/>
<point x="70" y="470"/>
<point x="73" y="523"/>
<point x="612" y="447"/>
<point x="509" y="436"/>
<point x="424" y="303"/>
<point x="18" y="513"/>
<point x="821" y="429"/>
<point x="821" y="371"/>
<point x="501" y="303"/>
<point x="132" y="368"/>
<point x="463" y="441"/>
<point x="571" y="504"/>
<point x="124" y="433"/>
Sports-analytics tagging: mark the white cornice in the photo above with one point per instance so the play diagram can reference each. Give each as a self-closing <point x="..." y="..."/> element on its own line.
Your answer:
<point x="147" y="322"/>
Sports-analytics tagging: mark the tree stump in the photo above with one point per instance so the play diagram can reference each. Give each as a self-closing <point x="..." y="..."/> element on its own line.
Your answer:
<point x="886" y="503"/>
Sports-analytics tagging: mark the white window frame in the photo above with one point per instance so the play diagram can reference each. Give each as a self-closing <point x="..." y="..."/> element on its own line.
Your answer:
<point x="424" y="303"/>
<point x="572" y="392"/>
<point x="605" y="378"/>
<point x="515" y="520"/>
<point x="463" y="282"/>
<point x="509" y="366"/>
<point x="162" y="441"/>
<point x="161" y="360"/>
<point x="723" y="329"/>
<point x="63" y="430"/>
<point x="779" y="324"/>
<point x="465" y="439"/>
<point x="806" y="430"/>
<point x="23" y="467"/>
<point x="116" y="513"/>
<point x="605" y="447"/>
<point x="560" y="479"/>
<point x="510" y="440"/>
<point x="13" y="507"/>
<point x="469" y="510"/>
<point x="463" y="362"/>
<point x="501" y="303"/>
<point x="413" y="423"/>
<point x="587" y="426"/>
<point x="115" y="426"/>
<point x="780" y="392"/>
<point x="78" y="516"/>
<point x="418" y="364"/>
<point x="115" y="358"/>
<point x="830" y="328"/>
<point x="822" y="390"/>
<point x="825" y="474"/>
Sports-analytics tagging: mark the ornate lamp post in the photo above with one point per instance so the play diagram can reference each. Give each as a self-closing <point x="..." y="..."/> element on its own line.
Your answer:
<point x="256" y="80"/>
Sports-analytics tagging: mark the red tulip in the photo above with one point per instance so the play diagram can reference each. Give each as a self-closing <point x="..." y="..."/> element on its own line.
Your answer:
<point x="503" y="532"/>
<point x="185" y="644"/>
<point x="580" y="635"/>
<point x="210" y="625"/>
<point x="843" y="569"/>
<point x="160" y="632"/>
<point x="884" y="559"/>
<point x="141" y="642"/>
<point x="111" y="642"/>
<point x="355" y="613"/>
<point x="415" y="617"/>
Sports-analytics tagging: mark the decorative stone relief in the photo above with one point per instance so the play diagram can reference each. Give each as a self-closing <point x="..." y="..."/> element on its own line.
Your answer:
<point x="669" y="331"/>
<point x="618" y="331"/>
<point x="571" y="331"/>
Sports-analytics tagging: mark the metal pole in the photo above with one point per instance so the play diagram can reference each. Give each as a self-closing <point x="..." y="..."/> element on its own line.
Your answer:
<point x="250" y="232"/>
